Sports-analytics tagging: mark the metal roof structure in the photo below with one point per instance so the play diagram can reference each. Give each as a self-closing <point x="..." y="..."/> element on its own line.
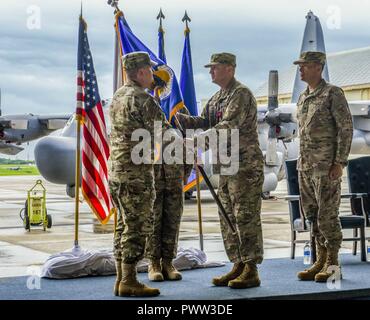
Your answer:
<point x="346" y="68"/>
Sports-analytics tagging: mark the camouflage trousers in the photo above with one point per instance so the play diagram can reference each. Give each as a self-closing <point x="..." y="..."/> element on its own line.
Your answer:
<point x="168" y="208"/>
<point x="320" y="199"/>
<point x="134" y="200"/>
<point x="240" y="195"/>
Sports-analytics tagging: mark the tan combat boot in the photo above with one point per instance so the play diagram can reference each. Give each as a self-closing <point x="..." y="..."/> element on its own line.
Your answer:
<point x="129" y="286"/>
<point x="155" y="270"/>
<point x="118" y="277"/>
<point x="332" y="262"/>
<point x="248" y="278"/>
<point x="169" y="271"/>
<point x="310" y="273"/>
<point x="235" y="272"/>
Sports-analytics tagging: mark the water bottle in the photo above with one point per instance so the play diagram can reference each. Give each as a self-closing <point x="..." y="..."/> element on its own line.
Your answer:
<point x="307" y="254"/>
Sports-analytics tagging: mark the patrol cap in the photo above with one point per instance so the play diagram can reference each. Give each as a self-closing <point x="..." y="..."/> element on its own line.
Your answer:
<point x="223" y="57"/>
<point x="311" y="56"/>
<point x="135" y="60"/>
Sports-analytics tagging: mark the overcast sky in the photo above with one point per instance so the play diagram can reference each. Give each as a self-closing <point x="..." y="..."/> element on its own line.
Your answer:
<point x="38" y="65"/>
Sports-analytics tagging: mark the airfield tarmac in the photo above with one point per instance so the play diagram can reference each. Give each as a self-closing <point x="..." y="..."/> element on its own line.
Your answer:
<point x="22" y="251"/>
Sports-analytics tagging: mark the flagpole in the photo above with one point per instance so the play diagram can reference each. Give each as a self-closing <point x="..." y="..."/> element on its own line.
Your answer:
<point x="161" y="51"/>
<point x="160" y="17"/>
<point x="77" y="176"/>
<point x="115" y="65"/>
<point x="114" y="4"/>
<point x="77" y="168"/>
<point x="199" y="204"/>
<point x="187" y="19"/>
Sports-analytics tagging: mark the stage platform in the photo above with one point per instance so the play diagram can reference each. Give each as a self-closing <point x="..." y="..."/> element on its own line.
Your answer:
<point x="278" y="278"/>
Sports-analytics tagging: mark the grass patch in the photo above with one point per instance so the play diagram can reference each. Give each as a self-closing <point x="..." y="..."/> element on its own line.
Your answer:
<point x="18" y="170"/>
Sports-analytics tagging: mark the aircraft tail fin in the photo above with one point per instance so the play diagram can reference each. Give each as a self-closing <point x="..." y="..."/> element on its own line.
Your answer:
<point x="313" y="40"/>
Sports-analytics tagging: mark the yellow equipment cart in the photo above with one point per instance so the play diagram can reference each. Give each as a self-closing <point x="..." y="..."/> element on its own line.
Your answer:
<point x="35" y="213"/>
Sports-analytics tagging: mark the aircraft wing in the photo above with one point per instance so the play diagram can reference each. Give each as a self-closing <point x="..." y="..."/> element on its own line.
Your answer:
<point x="360" y="108"/>
<point x="4" y="124"/>
<point x="360" y="111"/>
<point x="9" y="149"/>
<point x="54" y="122"/>
<point x="18" y="122"/>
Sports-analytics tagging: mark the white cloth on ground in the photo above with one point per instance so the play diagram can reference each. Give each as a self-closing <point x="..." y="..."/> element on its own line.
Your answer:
<point x="80" y="263"/>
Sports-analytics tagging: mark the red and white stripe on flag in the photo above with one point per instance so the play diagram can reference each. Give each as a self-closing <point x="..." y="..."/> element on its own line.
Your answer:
<point x="95" y="155"/>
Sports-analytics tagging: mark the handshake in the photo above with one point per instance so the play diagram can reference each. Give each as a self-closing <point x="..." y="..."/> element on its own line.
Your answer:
<point x="197" y="141"/>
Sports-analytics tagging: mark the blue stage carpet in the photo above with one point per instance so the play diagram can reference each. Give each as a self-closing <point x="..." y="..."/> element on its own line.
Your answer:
<point x="278" y="278"/>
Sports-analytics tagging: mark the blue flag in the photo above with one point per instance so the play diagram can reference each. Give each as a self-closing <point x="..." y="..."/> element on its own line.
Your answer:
<point x="188" y="92"/>
<point x="170" y="95"/>
<point x="187" y="78"/>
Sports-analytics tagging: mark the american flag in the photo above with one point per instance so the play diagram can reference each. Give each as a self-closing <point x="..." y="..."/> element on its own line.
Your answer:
<point x="95" y="146"/>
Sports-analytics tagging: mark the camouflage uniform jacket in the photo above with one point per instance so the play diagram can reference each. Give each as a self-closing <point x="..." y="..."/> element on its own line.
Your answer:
<point x="175" y="170"/>
<point x="325" y="128"/>
<point x="232" y="108"/>
<point x="132" y="108"/>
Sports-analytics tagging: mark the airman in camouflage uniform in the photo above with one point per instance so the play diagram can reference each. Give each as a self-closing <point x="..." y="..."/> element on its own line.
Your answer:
<point x="325" y="131"/>
<point x="234" y="107"/>
<point x="168" y="207"/>
<point x="161" y="246"/>
<point x="132" y="185"/>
